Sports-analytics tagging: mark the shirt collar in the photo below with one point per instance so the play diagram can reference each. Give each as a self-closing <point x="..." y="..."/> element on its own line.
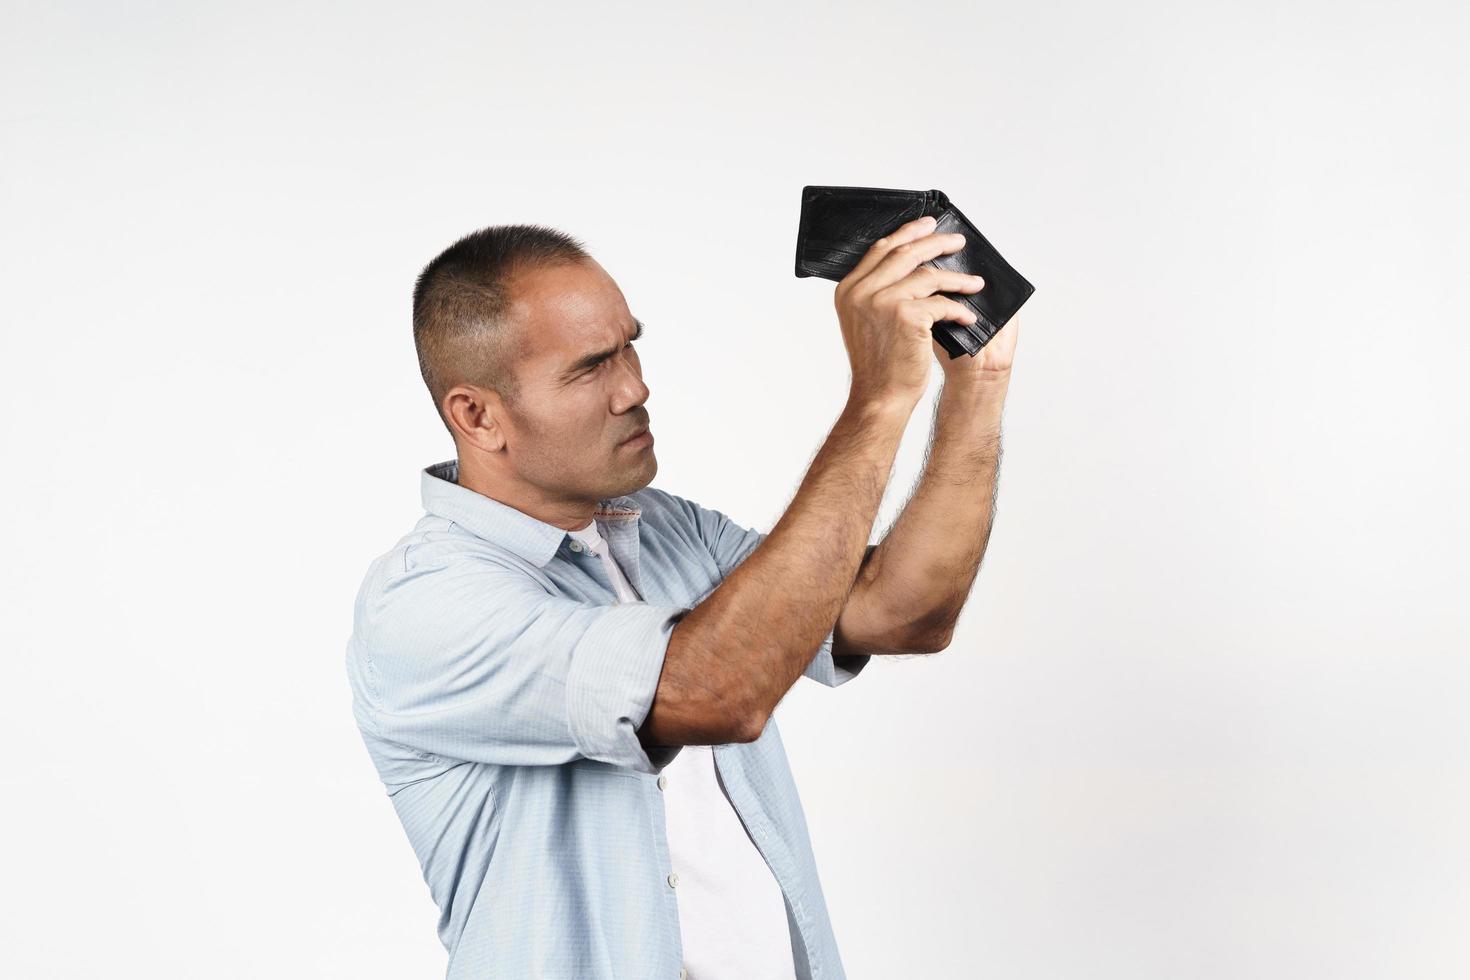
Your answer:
<point x="534" y="540"/>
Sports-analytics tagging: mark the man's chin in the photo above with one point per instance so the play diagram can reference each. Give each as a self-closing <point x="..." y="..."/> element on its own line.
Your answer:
<point x="641" y="475"/>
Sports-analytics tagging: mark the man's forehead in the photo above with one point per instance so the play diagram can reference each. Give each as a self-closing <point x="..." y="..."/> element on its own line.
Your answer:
<point x="564" y="317"/>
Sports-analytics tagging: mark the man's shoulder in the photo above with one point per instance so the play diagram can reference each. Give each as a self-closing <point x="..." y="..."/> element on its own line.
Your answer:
<point x="433" y="538"/>
<point x="434" y="572"/>
<point x="437" y="548"/>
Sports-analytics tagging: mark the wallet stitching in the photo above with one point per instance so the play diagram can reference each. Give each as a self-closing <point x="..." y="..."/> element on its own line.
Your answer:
<point x="861" y="192"/>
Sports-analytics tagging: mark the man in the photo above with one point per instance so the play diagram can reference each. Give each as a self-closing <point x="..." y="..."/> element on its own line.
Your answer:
<point x="566" y="677"/>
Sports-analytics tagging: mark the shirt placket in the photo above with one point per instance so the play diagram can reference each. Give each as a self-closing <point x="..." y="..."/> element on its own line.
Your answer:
<point x="619" y="528"/>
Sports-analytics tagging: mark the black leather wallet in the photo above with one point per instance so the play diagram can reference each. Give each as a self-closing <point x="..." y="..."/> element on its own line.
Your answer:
<point x="839" y="223"/>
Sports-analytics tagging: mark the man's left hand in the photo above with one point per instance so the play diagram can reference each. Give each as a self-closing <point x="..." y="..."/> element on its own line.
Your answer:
<point x="991" y="366"/>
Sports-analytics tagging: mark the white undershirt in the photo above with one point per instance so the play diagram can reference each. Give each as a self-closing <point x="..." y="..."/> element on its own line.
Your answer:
<point x="732" y="917"/>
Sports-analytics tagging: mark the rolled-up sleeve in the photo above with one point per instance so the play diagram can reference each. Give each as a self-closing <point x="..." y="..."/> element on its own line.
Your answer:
<point x="731" y="543"/>
<point x="475" y="661"/>
<point x="831" y="670"/>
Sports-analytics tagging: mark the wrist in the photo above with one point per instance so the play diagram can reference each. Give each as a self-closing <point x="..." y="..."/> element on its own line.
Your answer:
<point x="977" y="390"/>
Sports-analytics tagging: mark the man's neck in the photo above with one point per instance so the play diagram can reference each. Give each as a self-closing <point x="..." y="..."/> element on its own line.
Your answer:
<point x="569" y="515"/>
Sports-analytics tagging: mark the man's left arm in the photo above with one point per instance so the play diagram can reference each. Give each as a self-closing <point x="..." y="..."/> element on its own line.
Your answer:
<point x="911" y="587"/>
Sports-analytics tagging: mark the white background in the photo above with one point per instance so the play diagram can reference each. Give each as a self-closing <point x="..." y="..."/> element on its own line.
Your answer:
<point x="1205" y="713"/>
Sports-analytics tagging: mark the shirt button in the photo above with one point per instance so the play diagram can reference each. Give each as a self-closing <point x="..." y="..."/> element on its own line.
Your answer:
<point x="663" y="781"/>
<point x="683" y="973"/>
<point x="673" y="880"/>
<point x="576" y="546"/>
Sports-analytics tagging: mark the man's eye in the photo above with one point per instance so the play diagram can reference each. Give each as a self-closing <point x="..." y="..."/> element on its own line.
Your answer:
<point x="593" y="369"/>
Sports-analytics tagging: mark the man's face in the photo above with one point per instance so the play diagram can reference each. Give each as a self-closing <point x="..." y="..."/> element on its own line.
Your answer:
<point x="581" y="387"/>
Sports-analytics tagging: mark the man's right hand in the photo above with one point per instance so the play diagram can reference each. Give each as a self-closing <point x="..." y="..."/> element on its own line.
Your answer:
<point x="886" y="307"/>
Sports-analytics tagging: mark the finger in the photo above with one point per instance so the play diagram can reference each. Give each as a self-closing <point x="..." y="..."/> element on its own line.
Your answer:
<point x="952" y="281"/>
<point x="906" y="232"/>
<point x="930" y="279"/>
<point x="937" y="308"/>
<point x="905" y="258"/>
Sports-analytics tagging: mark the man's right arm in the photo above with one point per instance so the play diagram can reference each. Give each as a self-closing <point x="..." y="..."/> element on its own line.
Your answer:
<point x="733" y="657"/>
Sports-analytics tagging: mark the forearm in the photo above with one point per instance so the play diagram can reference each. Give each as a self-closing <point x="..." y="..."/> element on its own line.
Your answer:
<point x="920" y="575"/>
<point x="761" y="626"/>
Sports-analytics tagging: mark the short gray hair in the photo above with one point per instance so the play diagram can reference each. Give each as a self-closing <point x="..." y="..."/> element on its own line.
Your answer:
<point x="459" y="303"/>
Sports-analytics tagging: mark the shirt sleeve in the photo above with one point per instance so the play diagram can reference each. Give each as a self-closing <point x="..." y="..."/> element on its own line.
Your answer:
<point x="730" y="544"/>
<point x="476" y="661"/>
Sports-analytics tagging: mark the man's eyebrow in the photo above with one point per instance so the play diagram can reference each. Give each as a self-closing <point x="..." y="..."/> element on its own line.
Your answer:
<point x="593" y="359"/>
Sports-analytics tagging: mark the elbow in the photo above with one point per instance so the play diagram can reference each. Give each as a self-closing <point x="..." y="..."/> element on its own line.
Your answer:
<point x="938" y="644"/>
<point x="934" y="645"/>
<point x="932" y="641"/>
<point x="751" y="726"/>
<point x="745" y="718"/>
<point x="933" y="635"/>
<point x="732" y="718"/>
<point x="915" y="629"/>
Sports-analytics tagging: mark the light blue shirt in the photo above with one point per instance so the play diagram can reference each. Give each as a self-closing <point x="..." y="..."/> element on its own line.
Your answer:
<point x="499" y="685"/>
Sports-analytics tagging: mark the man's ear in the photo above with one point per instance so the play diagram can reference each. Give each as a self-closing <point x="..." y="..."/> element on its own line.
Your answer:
<point x="476" y="415"/>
